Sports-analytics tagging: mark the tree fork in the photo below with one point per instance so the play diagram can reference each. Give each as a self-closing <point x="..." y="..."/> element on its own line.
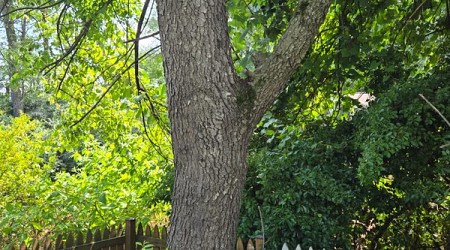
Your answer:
<point x="210" y="120"/>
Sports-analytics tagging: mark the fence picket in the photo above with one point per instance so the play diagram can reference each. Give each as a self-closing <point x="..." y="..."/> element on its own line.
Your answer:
<point x="89" y="236"/>
<point x="156" y="232"/>
<point x="164" y="234"/>
<point x="259" y="242"/>
<point x="106" y="236"/>
<point x="112" y="232"/>
<point x="69" y="240"/>
<point x="97" y="235"/>
<point x="23" y="246"/>
<point x="140" y="230"/>
<point x="250" y="245"/>
<point x="79" y="239"/>
<point x="148" y="231"/>
<point x="106" y="233"/>
<point x="239" y="245"/>
<point x="285" y="247"/>
<point x="157" y="235"/>
<point x="120" y="230"/>
<point x="47" y="244"/>
<point x="58" y="242"/>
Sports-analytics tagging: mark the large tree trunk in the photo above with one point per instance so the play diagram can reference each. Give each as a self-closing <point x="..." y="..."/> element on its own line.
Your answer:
<point x="209" y="139"/>
<point x="213" y="113"/>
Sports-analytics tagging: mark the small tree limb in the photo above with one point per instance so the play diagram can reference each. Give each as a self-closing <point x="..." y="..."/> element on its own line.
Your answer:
<point x="439" y="113"/>
<point x="435" y="109"/>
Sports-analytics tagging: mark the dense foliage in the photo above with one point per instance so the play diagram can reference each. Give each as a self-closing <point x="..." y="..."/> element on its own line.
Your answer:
<point x="93" y="147"/>
<point x="326" y="171"/>
<point x="380" y="179"/>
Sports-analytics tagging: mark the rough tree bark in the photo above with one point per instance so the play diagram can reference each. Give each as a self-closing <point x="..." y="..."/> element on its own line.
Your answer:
<point x="11" y="37"/>
<point x="213" y="112"/>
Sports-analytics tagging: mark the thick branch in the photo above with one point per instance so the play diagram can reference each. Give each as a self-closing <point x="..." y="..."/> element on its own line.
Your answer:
<point x="273" y="75"/>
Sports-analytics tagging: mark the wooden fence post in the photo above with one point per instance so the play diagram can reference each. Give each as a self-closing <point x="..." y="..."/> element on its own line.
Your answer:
<point x="259" y="242"/>
<point x="130" y="234"/>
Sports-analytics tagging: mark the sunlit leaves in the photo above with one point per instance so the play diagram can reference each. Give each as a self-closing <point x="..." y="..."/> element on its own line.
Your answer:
<point x="21" y="171"/>
<point x="114" y="177"/>
<point x="256" y="26"/>
<point x="20" y="153"/>
<point x="108" y="151"/>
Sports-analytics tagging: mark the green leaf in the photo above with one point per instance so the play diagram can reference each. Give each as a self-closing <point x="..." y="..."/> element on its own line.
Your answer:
<point x="102" y="198"/>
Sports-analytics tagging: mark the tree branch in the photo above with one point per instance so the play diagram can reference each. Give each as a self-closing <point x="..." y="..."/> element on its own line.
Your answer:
<point x="136" y="45"/>
<point x="115" y="80"/>
<point x="439" y="113"/>
<point x="140" y="88"/>
<point x="272" y="76"/>
<point x="142" y="37"/>
<point x="75" y="44"/>
<point x="43" y="6"/>
<point x="384" y="227"/>
<point x="435" y="109"/>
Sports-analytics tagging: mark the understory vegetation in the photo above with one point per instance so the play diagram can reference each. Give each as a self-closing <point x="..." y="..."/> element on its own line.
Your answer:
<point x="326" y="168"/>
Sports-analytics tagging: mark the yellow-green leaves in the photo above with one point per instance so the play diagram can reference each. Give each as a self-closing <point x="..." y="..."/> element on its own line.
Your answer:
<point x="21" y="146"/>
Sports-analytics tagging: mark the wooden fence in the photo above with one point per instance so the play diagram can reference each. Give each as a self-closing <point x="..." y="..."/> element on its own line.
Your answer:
<point x="111" y="239"/>
<point x="128" y="238"/>
<point x="258" y="244"/>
